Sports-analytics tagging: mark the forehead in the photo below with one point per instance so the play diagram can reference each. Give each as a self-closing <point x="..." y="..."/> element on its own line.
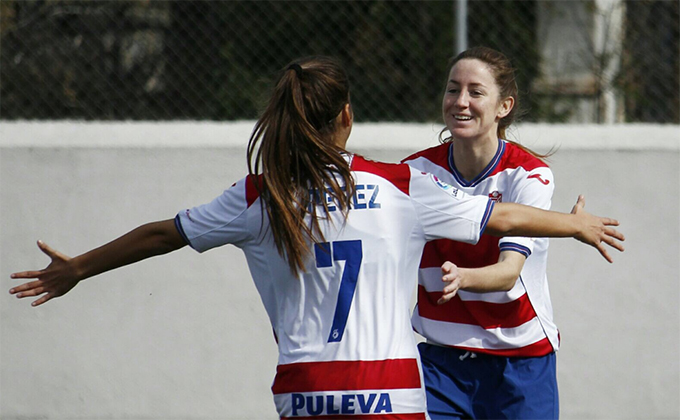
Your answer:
<point x="471" y="70"/>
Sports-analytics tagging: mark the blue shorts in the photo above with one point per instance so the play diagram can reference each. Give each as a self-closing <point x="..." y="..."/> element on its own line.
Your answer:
<point x="465" y="385"/>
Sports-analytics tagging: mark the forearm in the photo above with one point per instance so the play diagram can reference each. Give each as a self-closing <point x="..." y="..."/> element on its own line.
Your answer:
<point x="491" y="278"/>
<point x="146" y="241"/>
<point x="510" y="219"/>
<point x="500" y="276"/>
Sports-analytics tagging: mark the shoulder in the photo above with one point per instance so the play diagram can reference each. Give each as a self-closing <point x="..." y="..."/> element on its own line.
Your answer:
<point x="252" y="186"/>
<point x="527" y="177"/>
<point x="517" y="157"/>
<point x="434" y="154"/>
<point x="398" y="174"/>
<point x="243" y="192"/>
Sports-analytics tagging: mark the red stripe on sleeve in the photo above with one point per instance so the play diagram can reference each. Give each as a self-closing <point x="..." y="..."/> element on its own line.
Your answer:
<point x="487" y="315"/>
<point x="346" y="376"/>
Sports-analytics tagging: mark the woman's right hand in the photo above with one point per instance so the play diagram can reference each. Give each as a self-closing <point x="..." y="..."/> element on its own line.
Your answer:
<point x="57" y="279"/>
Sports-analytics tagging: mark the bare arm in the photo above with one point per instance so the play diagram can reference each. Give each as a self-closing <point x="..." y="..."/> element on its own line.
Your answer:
<point x="510" y="219"/>
<point x="500" y="276"/>
<point x="64" y="273"/>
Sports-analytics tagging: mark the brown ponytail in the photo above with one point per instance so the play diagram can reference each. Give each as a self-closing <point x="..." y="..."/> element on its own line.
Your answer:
<point x="292" y="147"/>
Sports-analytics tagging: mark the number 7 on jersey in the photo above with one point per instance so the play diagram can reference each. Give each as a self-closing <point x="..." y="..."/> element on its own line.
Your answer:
<point x="351" y="253"/>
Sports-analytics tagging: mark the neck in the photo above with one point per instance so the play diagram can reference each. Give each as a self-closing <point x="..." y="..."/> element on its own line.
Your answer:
<point x="340" y="138"/>
<point x="472" y="157"/>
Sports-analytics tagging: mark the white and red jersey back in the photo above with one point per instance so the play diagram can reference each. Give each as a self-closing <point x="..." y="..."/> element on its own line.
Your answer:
<point x="518" y="322"/>
<point x="346" y="346"/>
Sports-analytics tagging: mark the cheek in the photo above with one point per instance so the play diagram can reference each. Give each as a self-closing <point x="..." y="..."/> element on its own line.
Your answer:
<point x="446" y="102"/>
<point x="487" y="109"/>
<point x="449" y="105"/>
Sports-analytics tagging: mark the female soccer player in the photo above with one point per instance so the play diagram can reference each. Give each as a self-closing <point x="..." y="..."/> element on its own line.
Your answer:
<point x="333" y="242"/>
<point x="487" y="355"/>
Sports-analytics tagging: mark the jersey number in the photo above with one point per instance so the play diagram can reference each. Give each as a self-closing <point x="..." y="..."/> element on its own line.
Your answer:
<point x="351" y="253"/>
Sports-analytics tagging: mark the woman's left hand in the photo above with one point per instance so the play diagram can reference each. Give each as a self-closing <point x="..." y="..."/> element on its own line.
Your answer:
<point x="598" y="231"/>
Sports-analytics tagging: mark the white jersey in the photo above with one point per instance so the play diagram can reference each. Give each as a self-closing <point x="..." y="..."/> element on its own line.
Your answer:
<point x="346" y="346"/>
<point x="518" y="322"/>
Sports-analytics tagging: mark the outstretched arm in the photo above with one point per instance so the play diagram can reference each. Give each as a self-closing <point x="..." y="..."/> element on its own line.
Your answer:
<point x="63" y="273"/>
<point x="509" y="219"/>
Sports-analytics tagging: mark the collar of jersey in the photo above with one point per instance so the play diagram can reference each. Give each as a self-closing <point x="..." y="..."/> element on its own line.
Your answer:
<point x="482" y="175"/>
<point x="349" y="157"/>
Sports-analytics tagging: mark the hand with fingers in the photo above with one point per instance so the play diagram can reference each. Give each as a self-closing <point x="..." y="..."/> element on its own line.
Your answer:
<point x="451" y="277"/>
<point x="57" y="279"/>
<point x="598" y="231"/>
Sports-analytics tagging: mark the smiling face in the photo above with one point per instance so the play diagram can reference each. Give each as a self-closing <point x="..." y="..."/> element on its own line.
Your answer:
<point x="472" y="106"/>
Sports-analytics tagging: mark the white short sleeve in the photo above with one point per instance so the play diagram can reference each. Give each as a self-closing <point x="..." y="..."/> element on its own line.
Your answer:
<point x="446" y="212"/>
<point x="220" y="222"/>
<point x="534" y="188"/>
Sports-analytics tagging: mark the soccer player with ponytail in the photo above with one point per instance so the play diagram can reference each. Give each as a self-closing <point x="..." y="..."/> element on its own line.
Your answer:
<point x="333" y="242"/>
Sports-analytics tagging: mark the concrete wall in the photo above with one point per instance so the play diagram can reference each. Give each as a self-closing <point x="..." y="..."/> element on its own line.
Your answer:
<point x="185" y="336"/>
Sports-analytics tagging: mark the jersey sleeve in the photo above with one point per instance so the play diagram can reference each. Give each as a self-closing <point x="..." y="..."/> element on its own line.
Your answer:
<point x="220" y="222"/>
<point x="534" y="188"/>
<point x="446" y="212"/>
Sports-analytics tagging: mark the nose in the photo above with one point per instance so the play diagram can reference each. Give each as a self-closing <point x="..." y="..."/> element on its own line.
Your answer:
<point x="462" y="100"/>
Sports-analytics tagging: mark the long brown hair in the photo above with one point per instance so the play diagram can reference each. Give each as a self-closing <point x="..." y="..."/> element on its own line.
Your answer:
<point x="292" y="147"/>
<point x="504" y="75"/>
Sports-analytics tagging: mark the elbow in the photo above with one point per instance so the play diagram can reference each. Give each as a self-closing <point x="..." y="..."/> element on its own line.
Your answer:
<point x="500" y="225"/>
<point x="165" y="246"/>
<point x="164" y="237"/>
<point x="506" y="220"/>
<point x="170" y="242"/>
<point x="509" y="284"/>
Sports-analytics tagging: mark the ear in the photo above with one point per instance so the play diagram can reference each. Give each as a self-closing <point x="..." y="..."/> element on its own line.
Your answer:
<point x="505" y="107"/>
<point x="347" y="115"/>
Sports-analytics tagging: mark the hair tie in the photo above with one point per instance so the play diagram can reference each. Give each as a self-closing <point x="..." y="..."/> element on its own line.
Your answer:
<point x="297" y="68"/>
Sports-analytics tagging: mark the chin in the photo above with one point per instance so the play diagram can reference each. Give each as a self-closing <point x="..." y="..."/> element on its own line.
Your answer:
<point x="462" y="133"/>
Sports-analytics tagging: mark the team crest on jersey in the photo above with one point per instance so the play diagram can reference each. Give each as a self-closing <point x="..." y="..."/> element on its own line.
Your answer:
<point x="444" y="186"/>
<point x="496" y="196"/>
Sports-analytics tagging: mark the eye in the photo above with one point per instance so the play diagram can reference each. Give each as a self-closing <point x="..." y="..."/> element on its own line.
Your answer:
<point x="453" y="90"/>
<point x="477" y="93"/>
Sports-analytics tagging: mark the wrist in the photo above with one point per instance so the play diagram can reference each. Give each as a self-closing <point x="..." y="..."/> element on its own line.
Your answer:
<point x="580" y="226"/>
<point x="77" y="269"/>
<point x="464" y="278"/>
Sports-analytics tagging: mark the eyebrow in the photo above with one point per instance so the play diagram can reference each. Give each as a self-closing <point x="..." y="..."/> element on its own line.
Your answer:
<point x="471" y="84"/>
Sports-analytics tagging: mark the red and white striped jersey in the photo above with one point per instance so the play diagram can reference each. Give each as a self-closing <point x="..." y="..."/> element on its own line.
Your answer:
<point x="518" y="322"/>
<point x="346" y="346"/>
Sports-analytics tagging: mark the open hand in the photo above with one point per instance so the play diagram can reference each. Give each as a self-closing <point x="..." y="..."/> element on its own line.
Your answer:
<point x="451" y="277"/>
<point x="598" y="230"/>
<point x="56" y="280"/>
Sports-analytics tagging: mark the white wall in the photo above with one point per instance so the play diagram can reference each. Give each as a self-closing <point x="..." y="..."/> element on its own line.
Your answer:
<point x="185" y="336"/>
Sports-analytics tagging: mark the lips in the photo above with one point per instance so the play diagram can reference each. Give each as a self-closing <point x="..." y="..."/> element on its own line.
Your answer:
<point x="462" y="117"/>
